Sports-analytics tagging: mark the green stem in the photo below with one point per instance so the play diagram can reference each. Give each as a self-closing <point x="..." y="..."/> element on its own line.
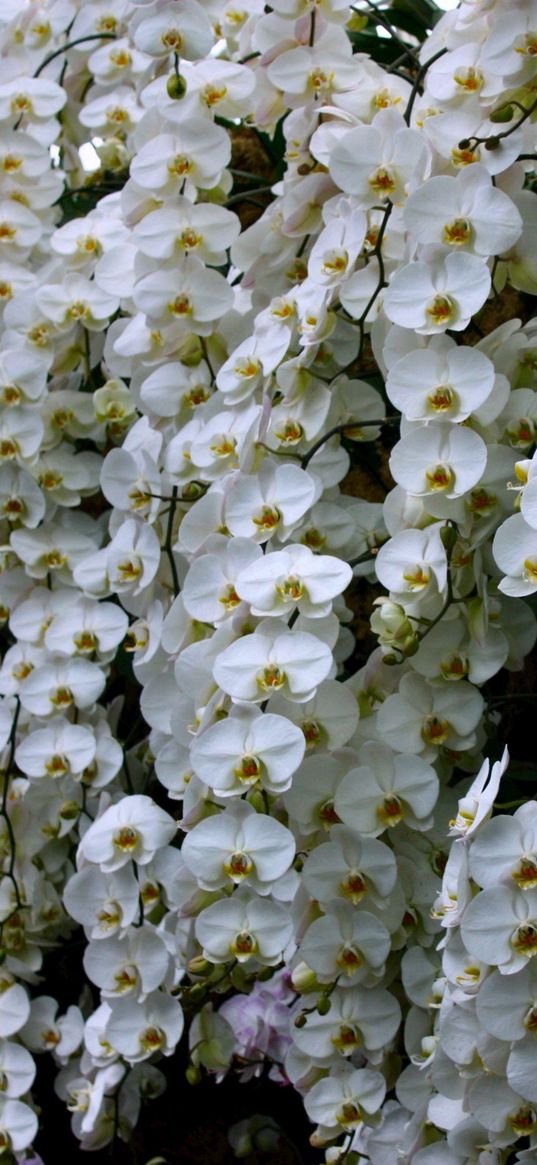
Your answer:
<point x="341" y="428"/>
<point x="207" y="358"/>
<point x="448" y="603"/>
<point x="510" y="804"/>
<point x="418" y="80"/>
<point x="496" y="138"/>
<point x="380" y="19"/>
<point x="246" y="196"/>
<point x="65" y="48"/>
<point x="168" y="542"/>
<point x="367" y="556"/>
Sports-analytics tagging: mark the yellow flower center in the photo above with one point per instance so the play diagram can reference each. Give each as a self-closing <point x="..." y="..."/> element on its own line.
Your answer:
<point x="129" y="571"/>
<point x="457" y="233"/>
<point x="524" y="1121"/>
<point x="327" y="814"/>
<point x="249" y="769"/>
<point x="335" y="262"/>
<point x="391" y="811"/>
<point x="172" y="40"/>
<point x="21" y="104"/>
<point x="455" y="666"/>
<point x="354" y="886"/>
<point x="180" y="166"/>
<point x="238" y="866"/>
<point x="291" y="589"/>
<point x="417" y="577"/>
<point x="180" y="306"/>
<point x="524" y="940"/>
<point x="121" y="58"/>
<point x="442" y="399"/>
<point x="382" y="182"/>
<point x="469" y="79"/>
<point x="152" y="1039"/>
<point x="230" y="598"/>
<point x="57" y="766"/>
<point x="268" y="518"/>
<point x="435" y="730"/>
<point x="529" y="572"/>
<point x="347" y="1039"/>
<point x="126" y="839"/>
<point x="441" y="310"/>
<point x="62" y="698"/>
<point x="271" y="678"/>
<point x="126" y="979"/>
<point x="243" y="946"/>
<point x="481" y="502"/>
<point x="525" y="874"/>
<point x="212" y="95"/>
<point x="247" y="366"/>
<point x="528" y="45"/>
<point x="439" y="478"/>
<point x="349" y="960"/>
<point x="290" y="433"/>
<point x="349" y="1115"/>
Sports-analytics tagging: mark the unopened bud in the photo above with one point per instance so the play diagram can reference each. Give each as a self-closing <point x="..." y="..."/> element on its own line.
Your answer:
<point x="391" y="660"/>
<point x="255" y="799"/>
<point x="196" y="993"/>
<point x="492" y="143"/>
<point x="357" y="22"/>
<point x="239" y="978"/>
<point x="411" y="648"/>
<point x="324" y="1005"/>
<point x="304" y="979"/>
<point x="465" y="144"/>
<point x="193" y="1074"/>
<point x="176" y="87"/>
<point x="192" y="358"/>
<point x="192" y="491"/>
<point x="504" y="113"/>
<point x="301" y="1020"/>
<point x="448" y="537"/>
<point x="69" y="811"/>
<point x="389" y="621"/>
<point x="199" y="966"/>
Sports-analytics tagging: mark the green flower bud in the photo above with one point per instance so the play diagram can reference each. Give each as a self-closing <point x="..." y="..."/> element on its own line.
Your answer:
<point x="200" y="966"/>
<point x="411" y="648"/>
<point x="176" y="86"/>
<point x="448" y="537"/>
<point x="504" y="113"/>
<point x="196" y="993"/>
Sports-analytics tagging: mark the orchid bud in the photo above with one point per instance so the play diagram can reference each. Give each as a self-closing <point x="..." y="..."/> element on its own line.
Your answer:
<point x="176" y="86"/>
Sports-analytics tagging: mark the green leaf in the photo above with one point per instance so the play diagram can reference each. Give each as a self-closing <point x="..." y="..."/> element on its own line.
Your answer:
<point x="406" y="22"/>
<point x="424" y="11"/>
<point x="123" y="663"/>
<point x="275" y="147"/>
<point x="381" y="49"/>
<point x="520" y="770"/>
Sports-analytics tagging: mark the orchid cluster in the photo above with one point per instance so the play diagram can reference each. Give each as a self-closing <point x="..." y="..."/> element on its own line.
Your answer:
<point x="290" y="856"/>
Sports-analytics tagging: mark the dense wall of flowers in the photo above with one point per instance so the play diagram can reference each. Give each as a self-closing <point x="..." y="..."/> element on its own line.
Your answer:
<point x="276" y="855"/>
